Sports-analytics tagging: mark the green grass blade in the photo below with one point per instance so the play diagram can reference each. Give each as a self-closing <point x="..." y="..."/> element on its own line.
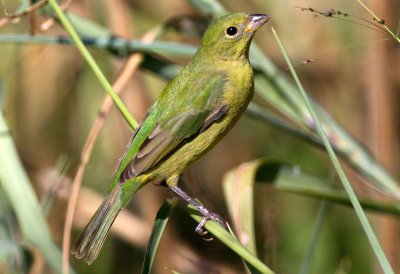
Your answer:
<point x="21" y="195"/>
<point x="389" y="31"/>
<point x="304" y="184"/>
<point x="156" y="234"/>
<point x="342" y="176"/>
<point x="93" y="65"/>
<point x="311" y="250"/>
<point x="230" y="241"/>
<point x="238" y="191"/>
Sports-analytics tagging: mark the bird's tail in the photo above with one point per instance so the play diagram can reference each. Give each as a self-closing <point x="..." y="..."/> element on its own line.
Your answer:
<point x="91" y="239"/>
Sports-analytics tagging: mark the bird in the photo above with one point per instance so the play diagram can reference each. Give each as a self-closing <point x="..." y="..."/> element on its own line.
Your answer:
<point x="193" y="112"/>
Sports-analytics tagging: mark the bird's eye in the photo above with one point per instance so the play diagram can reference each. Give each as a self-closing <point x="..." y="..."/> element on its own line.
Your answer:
<point x="231" y="31"/>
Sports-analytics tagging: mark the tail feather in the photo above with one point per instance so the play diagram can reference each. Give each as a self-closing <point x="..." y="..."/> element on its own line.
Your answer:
<point x="91" y="239"/>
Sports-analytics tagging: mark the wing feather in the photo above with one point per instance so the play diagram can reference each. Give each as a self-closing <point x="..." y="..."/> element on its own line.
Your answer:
<point x="199" y="110"/>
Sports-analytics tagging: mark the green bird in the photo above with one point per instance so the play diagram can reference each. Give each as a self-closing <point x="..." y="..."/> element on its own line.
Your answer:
<point x="195" y="110"/>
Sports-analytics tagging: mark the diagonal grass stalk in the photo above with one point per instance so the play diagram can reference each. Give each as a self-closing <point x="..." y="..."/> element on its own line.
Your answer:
<point x="230" y="241"/>
<point x="158" y="230"/>
<point x="93" y="65"/>
<point x="342" y="176"/>
<point x="16" y="185"/>
<point x="395" y="36"/>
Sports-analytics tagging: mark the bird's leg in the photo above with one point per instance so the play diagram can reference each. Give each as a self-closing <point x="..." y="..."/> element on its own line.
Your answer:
<point x="207" y="214"/>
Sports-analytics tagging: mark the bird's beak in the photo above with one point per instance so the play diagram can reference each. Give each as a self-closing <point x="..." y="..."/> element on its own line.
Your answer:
<point x="256" y="21"/>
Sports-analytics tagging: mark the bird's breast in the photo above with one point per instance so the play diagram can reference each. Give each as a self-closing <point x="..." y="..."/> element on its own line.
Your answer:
<point x="239" y="87"/>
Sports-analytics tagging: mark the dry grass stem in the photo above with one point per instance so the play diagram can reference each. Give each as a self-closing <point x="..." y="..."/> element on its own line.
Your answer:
<point x="130" y="67"/>
<point x="10" y="18"/>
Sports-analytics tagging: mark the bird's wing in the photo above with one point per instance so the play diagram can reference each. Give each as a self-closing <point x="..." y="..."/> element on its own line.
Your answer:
<point x="186" y="114"/>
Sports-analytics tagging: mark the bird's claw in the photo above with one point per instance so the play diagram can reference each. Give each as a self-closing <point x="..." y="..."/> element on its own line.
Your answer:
<point x="200" y="227"/>
<point x="208" y="216"/>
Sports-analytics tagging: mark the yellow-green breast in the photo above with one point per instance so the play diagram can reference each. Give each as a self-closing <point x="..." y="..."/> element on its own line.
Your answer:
<point x="237" y="95"/>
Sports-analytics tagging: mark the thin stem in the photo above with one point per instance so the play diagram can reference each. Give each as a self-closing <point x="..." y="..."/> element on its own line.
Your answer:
<point x="93" y="65"/>
<point x="379" y="20"/>
<point x="342" y="176"/>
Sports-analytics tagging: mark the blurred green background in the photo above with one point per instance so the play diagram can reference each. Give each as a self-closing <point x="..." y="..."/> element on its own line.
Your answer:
<point x="51" y="99"/>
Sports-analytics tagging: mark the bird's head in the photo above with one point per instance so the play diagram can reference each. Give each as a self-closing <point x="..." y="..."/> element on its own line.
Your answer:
<point x="229" y="37"/>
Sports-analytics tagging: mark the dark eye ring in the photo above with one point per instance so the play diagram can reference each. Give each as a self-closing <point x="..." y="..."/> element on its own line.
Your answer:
<point x="231" y="31"/>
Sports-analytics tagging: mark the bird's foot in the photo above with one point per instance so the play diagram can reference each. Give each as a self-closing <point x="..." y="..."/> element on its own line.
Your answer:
<point x="205" y="213"/>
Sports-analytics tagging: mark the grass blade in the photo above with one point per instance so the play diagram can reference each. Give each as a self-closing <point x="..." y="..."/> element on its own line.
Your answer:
<point x="21" y="195"/>
<point x="304" y="184"/>
<point x="389" y="31"/>
<point x="93" y="65"/>
<point x="342" y="176"/>
<point x="230" y="241"/>
<point x="238" y="190"/>
<point x="288" y="178"/>
<point x="284" y="177"/>
<point x="156" y="234"/>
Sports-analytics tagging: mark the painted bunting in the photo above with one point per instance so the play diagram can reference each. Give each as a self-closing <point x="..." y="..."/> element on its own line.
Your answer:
<point x="195" y="110"/>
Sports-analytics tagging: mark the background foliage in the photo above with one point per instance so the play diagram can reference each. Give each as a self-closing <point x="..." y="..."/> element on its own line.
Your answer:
<point x="50" y="99"/>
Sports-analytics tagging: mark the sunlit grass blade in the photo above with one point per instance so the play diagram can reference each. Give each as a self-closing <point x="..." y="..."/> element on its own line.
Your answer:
<point x="238" y="191"/>
<point x="379" y="20"/>
<point x="156" y="234"/>
<point x="22" y="197"/>
<point x="342" y="176"/>
<point x="93" y="65"/>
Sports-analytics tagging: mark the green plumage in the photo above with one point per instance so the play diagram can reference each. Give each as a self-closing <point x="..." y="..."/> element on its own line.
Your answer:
<point x="194" y="112"/>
